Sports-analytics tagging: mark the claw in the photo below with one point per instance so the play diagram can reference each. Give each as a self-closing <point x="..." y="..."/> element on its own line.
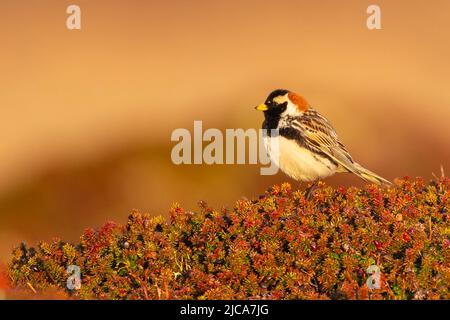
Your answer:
<point x="310" y="190"/>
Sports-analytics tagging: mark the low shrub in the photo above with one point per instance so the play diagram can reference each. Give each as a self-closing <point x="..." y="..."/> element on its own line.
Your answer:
<point x="279" y="246"/>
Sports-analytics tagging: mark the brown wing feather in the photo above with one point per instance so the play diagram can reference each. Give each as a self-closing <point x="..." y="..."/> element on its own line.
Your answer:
<point x="320" y="135"/>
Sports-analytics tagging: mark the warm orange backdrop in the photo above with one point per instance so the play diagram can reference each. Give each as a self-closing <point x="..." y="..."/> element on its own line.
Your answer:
<point x="86" y="116"/>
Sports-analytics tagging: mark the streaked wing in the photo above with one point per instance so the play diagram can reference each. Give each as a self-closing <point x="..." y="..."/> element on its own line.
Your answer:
<point x="320" y="136"/>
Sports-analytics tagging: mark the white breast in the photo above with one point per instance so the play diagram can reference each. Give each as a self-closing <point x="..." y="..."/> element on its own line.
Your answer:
<point x="298" y="162"/>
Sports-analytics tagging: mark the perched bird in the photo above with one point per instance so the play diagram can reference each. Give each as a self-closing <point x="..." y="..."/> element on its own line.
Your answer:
<point x="308" y="146"/>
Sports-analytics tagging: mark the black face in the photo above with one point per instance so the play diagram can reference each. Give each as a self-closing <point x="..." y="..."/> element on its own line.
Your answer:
<point x="275" y="109"/>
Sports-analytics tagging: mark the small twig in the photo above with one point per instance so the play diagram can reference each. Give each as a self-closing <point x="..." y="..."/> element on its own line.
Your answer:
<point x="31" y="287"/>
<point x="389" y="290"/>
<point x="166" y="289"/>
<point x="430" y="228"/>
<point x="312" y="284"/>
<point x="158" y="290"/>
<point x="141" y="283"/>
<point x="145" y="292"/>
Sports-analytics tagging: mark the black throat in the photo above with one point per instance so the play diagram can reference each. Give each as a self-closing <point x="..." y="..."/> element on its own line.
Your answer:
<point x="273" y="116"/>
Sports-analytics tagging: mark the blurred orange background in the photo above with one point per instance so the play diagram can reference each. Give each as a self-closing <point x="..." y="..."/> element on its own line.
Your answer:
<point x="86" y="115"/>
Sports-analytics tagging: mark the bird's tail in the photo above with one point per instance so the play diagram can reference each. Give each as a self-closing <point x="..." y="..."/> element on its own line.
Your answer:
<point x="368" y="175"/>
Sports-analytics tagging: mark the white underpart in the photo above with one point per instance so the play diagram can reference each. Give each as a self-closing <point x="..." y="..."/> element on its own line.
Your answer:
<point x="297" y="162"/>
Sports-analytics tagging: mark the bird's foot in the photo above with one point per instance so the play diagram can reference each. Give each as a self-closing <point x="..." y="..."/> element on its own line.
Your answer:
<point x="310" y="191"/>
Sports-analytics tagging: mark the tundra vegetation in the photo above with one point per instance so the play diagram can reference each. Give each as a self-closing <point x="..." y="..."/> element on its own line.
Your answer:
<point x="277" y="246"/>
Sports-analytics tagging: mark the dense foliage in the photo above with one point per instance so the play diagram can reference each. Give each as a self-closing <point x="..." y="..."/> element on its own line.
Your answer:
<point x="279" y="246"/>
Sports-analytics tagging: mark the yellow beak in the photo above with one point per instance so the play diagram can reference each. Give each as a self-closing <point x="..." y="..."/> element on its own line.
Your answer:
<point x="262" y="107"/>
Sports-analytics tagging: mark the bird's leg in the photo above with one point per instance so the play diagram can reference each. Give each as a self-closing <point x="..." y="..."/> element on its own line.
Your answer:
<point x="310" y="190"/>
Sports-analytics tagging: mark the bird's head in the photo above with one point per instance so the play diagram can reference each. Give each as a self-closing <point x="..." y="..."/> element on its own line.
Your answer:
<point x="283" y="102"/>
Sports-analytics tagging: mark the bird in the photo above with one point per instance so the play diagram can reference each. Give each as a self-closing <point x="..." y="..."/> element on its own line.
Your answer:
<point x="308" y="147"/>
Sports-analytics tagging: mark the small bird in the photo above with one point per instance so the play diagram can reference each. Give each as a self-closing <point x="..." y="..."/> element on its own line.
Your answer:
<point x="308" y="146"/>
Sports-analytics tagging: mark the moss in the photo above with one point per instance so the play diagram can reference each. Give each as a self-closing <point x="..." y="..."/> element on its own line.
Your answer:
<point x="279" y="246"/>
